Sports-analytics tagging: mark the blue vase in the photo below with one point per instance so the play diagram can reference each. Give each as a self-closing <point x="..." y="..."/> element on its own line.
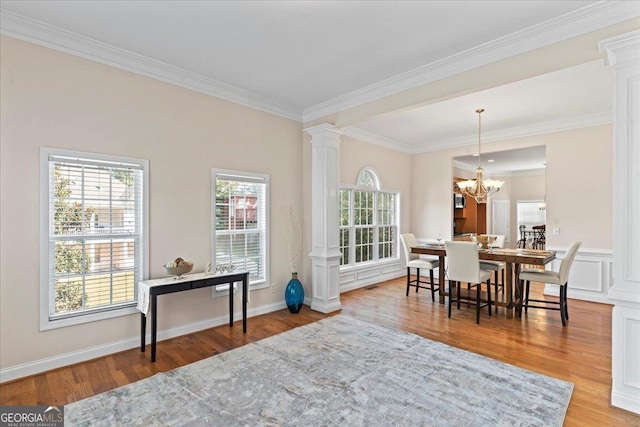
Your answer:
<point x="294" y="294"/>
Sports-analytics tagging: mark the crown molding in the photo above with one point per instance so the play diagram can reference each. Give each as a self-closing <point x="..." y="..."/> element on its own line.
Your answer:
<point x="373" y="138"/>
<point x="542" y="128"/>
<point x="498" y="173"/>
<point x="40" y="33"/>
<point x="590" y="18"/>
<point x="582" y="21"/>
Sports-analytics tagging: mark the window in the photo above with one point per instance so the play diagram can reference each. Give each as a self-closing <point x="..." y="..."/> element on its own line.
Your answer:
<point x="241" y="222"/>
<point x="530" y="214"/>
<point x="94" y="239"/>
<point x="368" y="221"/>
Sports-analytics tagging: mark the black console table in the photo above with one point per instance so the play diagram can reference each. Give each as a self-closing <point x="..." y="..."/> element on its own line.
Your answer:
<point x="152" y="288"/>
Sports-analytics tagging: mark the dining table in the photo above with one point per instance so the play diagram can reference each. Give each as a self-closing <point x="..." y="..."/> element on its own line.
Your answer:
<point x="513" y="259"/>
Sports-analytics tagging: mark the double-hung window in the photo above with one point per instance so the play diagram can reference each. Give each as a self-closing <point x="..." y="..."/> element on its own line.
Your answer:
<point x="368" y="221"/>
<point x="240" y="222"/>
<point x="94" y="235"/>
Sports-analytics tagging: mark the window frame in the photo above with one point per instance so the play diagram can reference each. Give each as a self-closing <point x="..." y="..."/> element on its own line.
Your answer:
<point x="46" y="321"/>
<point x="376" y="226"/>
<point x="247" y="177"/>
<point x="534" y="206"/>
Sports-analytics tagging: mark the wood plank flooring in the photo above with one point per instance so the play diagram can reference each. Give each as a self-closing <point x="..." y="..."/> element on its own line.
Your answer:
<point x="579" y="353"/>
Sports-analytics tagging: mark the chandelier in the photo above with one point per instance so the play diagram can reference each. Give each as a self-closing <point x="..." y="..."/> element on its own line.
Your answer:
<point x="479" y="188"/>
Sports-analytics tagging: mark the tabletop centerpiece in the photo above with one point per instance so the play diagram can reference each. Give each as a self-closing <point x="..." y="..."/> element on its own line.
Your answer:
<point x="178" y="267"/>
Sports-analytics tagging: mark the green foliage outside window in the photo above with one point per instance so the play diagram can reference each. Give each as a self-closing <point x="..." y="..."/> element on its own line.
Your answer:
<point x="69" y="218"/>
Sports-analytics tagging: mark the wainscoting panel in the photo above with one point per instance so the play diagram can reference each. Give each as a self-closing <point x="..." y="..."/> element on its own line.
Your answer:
<point x="359" y="277"/>
<point x="590" y="277"/>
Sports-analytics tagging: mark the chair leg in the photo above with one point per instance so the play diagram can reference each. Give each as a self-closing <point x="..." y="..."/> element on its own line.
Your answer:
<point x="451" y="290"/>
<point x="408" y="279"/>
<point x="526" y="296"/>
<point x="478" y="286"/>
<point x="433" y="297"/>
<point x="566" y="303"/>
<point x="502" y="281"/>
<point x="489" y="295"/>
<point x="458" y="289"/>
<point x="417" y="279"/>
<point x="562" y="307"/>
<point x="496" y="277"/>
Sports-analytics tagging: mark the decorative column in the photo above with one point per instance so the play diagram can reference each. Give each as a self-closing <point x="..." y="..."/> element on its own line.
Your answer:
<point x="325" y="252"/>
<point x="623" y="53"/>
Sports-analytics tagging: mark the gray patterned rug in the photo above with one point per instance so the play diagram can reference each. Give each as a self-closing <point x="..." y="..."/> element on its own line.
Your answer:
<point x="338" y="371"/>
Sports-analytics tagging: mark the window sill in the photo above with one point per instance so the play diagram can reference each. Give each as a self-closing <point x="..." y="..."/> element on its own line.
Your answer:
<point x="368" y="264"/>
<point x="48" y="324"/>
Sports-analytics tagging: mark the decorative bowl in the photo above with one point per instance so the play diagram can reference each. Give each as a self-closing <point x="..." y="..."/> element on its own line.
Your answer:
<point x="183" y="268"/>
<point x="483" y="239"/>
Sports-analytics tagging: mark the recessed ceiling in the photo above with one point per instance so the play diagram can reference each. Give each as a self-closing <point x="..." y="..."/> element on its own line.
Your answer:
<point x="296" y="58"/>
<point x="572" y="97"/>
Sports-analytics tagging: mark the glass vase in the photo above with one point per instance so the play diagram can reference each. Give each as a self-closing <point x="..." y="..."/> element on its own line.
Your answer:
<point x="294" y="294"/>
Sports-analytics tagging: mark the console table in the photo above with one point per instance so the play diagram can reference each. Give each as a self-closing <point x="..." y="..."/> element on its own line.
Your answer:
<point x="148" y="291"/>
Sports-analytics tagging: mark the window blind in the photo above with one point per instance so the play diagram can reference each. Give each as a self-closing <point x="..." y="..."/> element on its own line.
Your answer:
<point x="241" y="223"/>
<point x="95" y="229"/>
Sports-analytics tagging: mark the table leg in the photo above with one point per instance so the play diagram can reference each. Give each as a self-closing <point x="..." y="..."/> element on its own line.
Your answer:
<point x="441" y="279"/>
<point x="231" y="304"/>
<point x="518" y="291"/>
<point x="245" y="290"/>
<point x="154" y="325"/>
<point x="509" y="289"/>
<point x="143" y="331"/>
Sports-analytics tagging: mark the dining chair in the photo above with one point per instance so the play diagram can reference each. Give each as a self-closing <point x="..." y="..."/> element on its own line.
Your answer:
<point x="495" y="266"/>
<point x="559" y="278"/>
<point x="463" y="265"/>
<point x="416" y="261"/>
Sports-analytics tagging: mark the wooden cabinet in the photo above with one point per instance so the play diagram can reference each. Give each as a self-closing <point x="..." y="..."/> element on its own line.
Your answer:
<point x="470" y="219"/>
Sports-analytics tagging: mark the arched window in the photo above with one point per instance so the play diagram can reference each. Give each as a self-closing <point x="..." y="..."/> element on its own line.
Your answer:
<point x="368" y="221"/>
<point x="368" y="178"/>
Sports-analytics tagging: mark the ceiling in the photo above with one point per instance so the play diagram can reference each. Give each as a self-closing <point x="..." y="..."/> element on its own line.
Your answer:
<point x="306" y="60"/>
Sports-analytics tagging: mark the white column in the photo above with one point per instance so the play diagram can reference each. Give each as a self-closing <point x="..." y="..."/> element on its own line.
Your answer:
<point x="325" y="252"/>
<point x="623" y="53"/>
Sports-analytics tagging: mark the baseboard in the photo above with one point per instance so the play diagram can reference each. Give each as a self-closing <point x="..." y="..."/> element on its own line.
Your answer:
<point x="32" y="368"/>
<point x="628" y="403"/>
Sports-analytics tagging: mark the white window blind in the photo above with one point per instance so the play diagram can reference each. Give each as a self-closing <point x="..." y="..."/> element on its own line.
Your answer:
<point x="241" y="222"/>
<point x="95" y="228"/>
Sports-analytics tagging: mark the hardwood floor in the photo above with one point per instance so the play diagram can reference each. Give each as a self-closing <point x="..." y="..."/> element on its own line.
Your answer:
<point x="579" y="353"/>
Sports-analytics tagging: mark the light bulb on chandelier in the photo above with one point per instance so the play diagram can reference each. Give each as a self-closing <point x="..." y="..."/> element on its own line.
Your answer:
<point x="480" y="189"/>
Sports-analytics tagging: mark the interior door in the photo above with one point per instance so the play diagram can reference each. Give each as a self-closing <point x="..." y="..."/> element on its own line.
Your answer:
<point x="500" y="218"/>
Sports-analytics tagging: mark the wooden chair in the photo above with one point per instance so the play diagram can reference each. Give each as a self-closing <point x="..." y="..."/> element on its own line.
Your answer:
<point x="463" y="265"/>
<point x="418" y="262"/>
<point x="559" y="278"/>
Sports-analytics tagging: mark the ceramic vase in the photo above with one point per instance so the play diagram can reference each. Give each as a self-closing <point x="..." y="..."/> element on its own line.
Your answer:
<point x="294" y="294"/>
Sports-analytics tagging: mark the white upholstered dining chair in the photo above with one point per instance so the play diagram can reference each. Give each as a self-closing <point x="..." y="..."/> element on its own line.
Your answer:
<point x="560" y="278"/>
<point x="419" y="262"/>
<point x="463" y="265"/>
<point x="495" y="266"/>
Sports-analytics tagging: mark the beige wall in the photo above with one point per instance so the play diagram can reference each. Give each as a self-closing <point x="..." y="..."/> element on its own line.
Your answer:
<point x="57" y="100"/>
<point x="392" y="168"/>
<point x="578" y="186"/>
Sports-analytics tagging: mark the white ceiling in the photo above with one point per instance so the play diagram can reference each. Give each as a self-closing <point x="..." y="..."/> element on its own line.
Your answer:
<point x="296" y="57"/>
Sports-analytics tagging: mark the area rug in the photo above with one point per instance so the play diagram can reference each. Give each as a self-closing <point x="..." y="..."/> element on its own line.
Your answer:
<point x="339" y="371"/>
